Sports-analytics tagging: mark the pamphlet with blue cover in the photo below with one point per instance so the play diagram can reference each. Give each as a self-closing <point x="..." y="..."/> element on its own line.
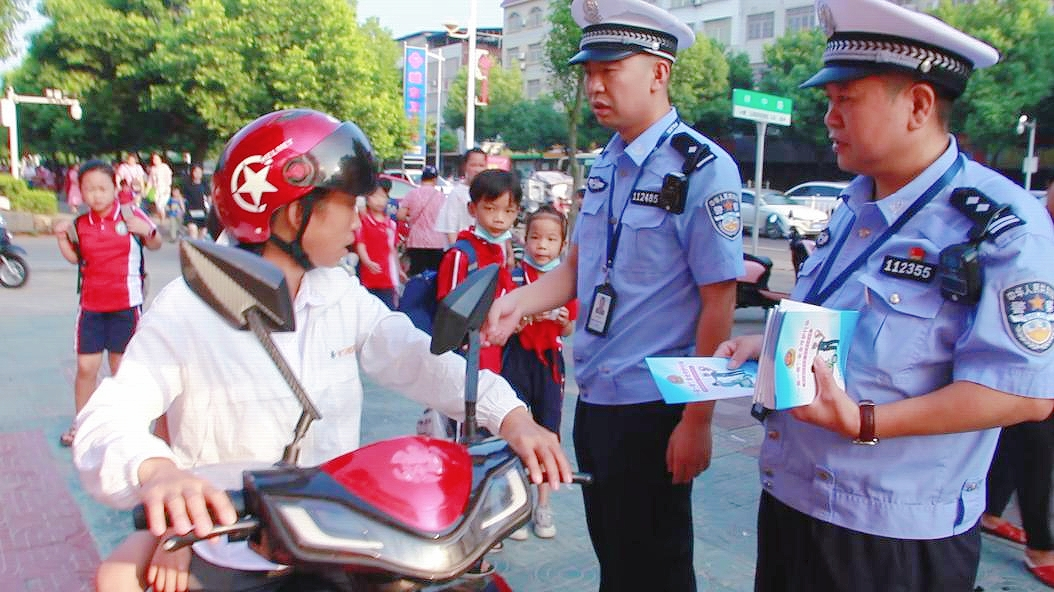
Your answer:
<point x="691" y="380"/>
<point x="795" y="334"/>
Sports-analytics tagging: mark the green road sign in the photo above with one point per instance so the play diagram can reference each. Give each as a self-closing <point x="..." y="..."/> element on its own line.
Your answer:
<point x="755" y="106"/>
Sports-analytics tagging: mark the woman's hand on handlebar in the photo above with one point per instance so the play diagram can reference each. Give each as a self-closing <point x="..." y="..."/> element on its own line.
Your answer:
<point x="537" y="447"/>
<point x="183" y="496"/>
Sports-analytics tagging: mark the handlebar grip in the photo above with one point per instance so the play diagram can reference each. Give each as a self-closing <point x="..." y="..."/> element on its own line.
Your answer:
<point x="237" y="500"/>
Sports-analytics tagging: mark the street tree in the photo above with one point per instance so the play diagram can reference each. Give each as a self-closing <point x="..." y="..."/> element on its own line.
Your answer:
<point x="12" y="14"/>
<point x="567" y="81"/>
<point x="186" y="75"/>
<point x="1023" y="80"/>
<point x="699" y="81"/>
<point x="791" y="60"/>
<point x="505" y="89"/>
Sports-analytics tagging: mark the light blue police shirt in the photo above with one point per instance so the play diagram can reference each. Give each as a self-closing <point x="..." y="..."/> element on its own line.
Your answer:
<point x="911" y="341"/>
<point x="661" y="260"/>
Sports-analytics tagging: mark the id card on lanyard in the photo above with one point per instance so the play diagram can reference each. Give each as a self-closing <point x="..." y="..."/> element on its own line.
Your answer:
<point x="601" y="311"/>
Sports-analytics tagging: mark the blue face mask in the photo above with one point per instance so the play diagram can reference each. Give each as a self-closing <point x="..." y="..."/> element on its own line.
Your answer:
<point x="482" y="233"/>
<point x="551" y="265"/>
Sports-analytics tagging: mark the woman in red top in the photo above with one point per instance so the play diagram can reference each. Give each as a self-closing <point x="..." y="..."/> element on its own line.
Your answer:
<point x="375" y="246"/>
<point x="533" y="362"/>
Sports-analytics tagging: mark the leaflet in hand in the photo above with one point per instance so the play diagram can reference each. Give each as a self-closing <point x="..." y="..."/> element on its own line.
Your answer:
<point x="795" y="334"/>
<point x="691" y="380"/>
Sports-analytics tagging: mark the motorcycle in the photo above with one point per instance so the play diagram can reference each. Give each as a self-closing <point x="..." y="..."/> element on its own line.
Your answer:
<point x="14" y="272"/>
<point x="752" y="288"/>
<point x="800" y="248"/>
<point x="407" y="514"/>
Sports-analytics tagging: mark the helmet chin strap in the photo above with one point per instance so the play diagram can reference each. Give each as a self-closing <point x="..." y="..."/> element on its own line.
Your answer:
<point x="295" y="248"/>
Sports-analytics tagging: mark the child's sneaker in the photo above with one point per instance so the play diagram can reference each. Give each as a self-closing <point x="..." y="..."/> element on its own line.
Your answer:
<point x="520" y="534"/>
<point x="544" y="526"/>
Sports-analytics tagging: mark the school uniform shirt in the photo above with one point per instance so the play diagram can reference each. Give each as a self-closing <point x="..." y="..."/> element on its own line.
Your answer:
<point x="453" y="269"/>
<point x="379" y="238"/>
<point x="660" y="262"/>
<point x="543" y="335"/>
<point x="227" y="403"/>
<point x="910" y="341"/>
<point x="112" y="261"/>
<point x="454" y="216"/>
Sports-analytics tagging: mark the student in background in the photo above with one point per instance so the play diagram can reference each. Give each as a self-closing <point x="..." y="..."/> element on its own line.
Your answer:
<point x="533" y="361"/>
<point x="495" y="200"/>
<point x="106" y="243"/>
<point x="375" y="245"/>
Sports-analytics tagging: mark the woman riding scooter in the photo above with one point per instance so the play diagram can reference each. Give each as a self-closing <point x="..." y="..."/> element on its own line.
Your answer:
<point x="284" y="188"/>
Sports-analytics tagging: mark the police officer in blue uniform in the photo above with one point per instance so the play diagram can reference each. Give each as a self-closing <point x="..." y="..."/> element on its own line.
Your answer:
<point x="653" y="259"/>
<point x="879" y="486"/>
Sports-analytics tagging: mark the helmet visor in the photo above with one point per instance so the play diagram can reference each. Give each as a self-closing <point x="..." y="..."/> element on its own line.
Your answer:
<point x="343" y="160"/>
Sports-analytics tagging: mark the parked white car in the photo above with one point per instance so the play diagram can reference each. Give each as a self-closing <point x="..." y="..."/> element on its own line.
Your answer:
<point x="822" y="195"/>
<point x="779" y="215"/>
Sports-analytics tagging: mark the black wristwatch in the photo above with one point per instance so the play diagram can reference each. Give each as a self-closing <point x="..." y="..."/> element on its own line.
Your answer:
<point x="867" y="424"/>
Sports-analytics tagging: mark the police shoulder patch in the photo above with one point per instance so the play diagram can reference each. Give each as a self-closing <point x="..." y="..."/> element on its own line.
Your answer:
<point x="823" y="238"/>
<point x="1029" y="312"/>
<point x="596" y="184"/>
<point x="723" y="209"/>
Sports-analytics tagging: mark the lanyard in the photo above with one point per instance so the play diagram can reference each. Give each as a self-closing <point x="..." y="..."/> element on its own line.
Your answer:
<point x="615" y="226"/>
<point x="817" y="295"/>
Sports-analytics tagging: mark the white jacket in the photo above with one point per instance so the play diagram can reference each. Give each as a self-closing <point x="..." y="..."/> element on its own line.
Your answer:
<point x="227" y="403"/>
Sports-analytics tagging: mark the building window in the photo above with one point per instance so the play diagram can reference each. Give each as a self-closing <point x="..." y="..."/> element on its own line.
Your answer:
<point x="535" y="17"/>
<point x="515" y="23"/>
<point x="534" y="89"/>
<point x="719" y="30"/>
<point x="760" y="26"/>
<point x="512" y="54"/>
<point x="534" y="53"/>
<point x="802" y="18"/>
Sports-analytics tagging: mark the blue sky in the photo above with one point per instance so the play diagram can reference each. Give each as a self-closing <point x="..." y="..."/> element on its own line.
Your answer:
<point x="403" y="17"/>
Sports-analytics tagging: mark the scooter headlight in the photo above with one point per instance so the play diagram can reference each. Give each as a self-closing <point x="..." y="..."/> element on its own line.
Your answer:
<point x="328" y="531"/>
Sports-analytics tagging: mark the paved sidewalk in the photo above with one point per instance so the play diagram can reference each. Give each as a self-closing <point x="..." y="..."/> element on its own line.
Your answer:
<point x="46" y="519"/>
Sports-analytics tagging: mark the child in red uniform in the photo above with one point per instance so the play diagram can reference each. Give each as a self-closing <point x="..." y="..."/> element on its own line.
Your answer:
<point x="375" y="246"/>
<point x="107" y="244"/>
<point x="495" y="200"/>
<point x="533" y="362"/>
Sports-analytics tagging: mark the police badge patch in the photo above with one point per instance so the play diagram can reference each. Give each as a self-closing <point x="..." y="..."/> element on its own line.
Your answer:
<point x="1029" y="312"/>
<point x="596" y="184"/>
<point x="724" y="214"/>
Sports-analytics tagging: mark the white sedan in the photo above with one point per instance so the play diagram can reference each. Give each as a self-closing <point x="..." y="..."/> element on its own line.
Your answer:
<point x="779" y="215"/>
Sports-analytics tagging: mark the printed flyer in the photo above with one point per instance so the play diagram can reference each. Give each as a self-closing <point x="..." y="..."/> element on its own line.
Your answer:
<point x="691" y="380"/>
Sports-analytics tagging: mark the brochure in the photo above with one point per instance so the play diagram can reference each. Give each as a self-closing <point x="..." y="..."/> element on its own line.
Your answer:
<point x="795" y="334"/>
<point x="691" y="380"/>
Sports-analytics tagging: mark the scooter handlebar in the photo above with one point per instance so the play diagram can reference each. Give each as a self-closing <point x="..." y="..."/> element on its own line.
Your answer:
<point x="237" y="499"/>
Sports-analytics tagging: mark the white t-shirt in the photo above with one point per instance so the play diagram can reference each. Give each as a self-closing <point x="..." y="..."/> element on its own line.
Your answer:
<point x="227" y="403"/>
<point x="454" y="216"/>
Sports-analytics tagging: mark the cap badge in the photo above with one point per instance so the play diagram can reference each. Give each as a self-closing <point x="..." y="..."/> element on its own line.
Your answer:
<point x="826" y="18"/>
<point x="926" y="65"/>
<point x="592" y="10"/>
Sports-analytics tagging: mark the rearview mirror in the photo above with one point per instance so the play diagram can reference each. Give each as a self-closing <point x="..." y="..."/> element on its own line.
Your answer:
<point x="464" y="309"/>
<point x="232" y="281"/>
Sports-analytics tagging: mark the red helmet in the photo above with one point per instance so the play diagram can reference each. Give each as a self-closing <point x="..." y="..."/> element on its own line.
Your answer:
<point x="282" y="157"/>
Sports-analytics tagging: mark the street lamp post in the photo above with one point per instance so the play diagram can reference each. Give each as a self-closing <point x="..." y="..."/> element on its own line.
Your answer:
<point x="473" y="61"/>
<point x="1031" y="162"/>
<point x="439" y="100"/>
<point x="9" y="116"/>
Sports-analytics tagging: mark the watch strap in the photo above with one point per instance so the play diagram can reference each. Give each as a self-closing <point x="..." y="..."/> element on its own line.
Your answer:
<point x="867" y="424"/>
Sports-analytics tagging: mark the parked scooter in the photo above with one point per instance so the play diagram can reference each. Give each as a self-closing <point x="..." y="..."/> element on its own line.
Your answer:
<point x="405" y="514"/>
<point x="752" y="288"/>
<point x="14" y="272"/>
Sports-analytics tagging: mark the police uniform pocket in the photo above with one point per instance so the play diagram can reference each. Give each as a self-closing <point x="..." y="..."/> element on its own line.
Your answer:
<point x="906" y="339"/>
<point x="648" y="245"/>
